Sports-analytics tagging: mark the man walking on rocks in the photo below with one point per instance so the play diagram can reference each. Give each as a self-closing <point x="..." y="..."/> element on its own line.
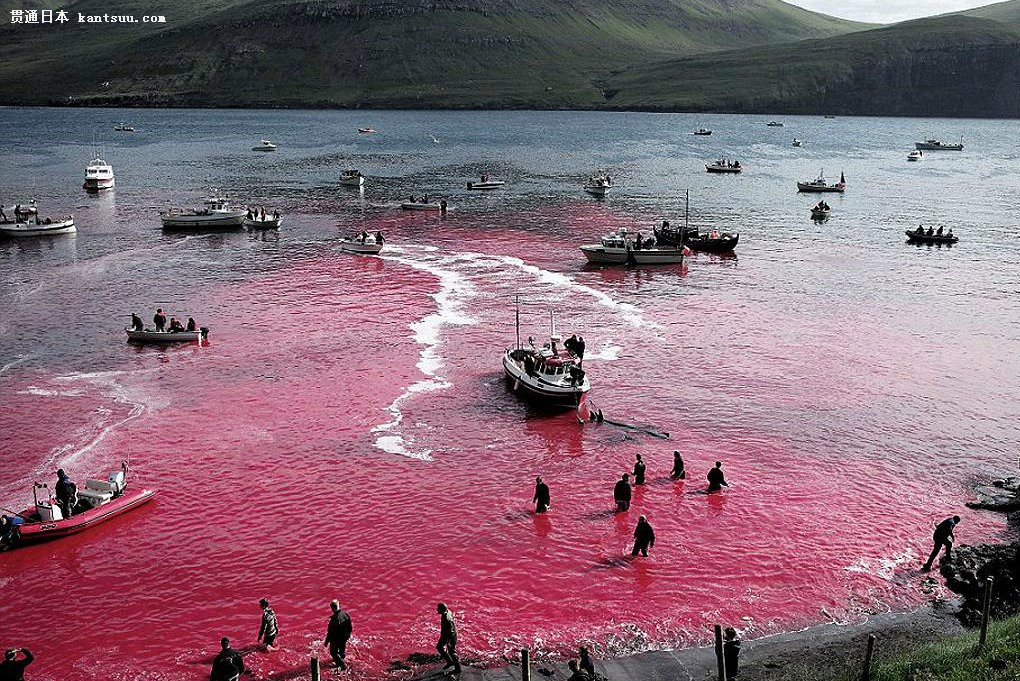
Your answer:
<point x="447" y="645"/>
<point x="943" y="536"/>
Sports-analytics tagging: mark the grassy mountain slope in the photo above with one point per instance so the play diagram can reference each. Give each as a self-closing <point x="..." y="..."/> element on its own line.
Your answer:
<point x="382" y="52"/>
<point x="952" y="65"/>
<point x="1001" y="11"/>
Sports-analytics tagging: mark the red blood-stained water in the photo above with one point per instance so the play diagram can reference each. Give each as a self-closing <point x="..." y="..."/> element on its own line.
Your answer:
<point x="347" y="433"/>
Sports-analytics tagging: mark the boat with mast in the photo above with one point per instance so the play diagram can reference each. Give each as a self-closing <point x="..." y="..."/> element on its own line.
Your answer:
<point x="549" y="376"/>
<point x="932" y="144"/>
<point x="691" y="237"/>
<point x="820" y="185"/>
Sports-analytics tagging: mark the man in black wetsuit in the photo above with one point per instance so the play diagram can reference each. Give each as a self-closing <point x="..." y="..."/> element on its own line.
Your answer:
<point x="447" y="645"/>
<point x="943" y="536"/>
<point x="338" y="633"/>
<point x="136" y="322"/>
<point x="731" y="653"/>
<point x="644" y="537"/>
<point x="13" y="669"/>
<point x="621" y="493"/>
<point x="228" y="665"/>
<point x="639" y="471"/>
<point x="541" y="499"/>
<point x="679" y="470"/>
<point x="268" y="629"/>
<point x="716" y="479"/>
<point x="192" y="325"/>
<point x="66" y="491"/>
<point x="159" y="320"/>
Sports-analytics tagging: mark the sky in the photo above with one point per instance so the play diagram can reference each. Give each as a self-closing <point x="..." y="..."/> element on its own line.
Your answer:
<point x="887" y="11"/>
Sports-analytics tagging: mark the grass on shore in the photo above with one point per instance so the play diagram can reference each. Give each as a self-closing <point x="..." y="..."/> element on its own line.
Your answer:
<point x="956" y="658"/>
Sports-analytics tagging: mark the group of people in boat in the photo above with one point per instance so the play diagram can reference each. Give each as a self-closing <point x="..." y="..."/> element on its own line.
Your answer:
<point x="21" y="214"/>
<point x="258" y="214"/>
<point x="920" y="231"/>
<point x="363" y="237"/>
<point x="159" y="321"/>
<point x="726" y="163"/>
<point x="65" y="493"/>
<point x="822" y="207"/>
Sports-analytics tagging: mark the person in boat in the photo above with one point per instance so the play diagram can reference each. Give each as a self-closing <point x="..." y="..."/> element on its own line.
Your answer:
<point x="338" y="633"/>
<point x="919" y="230"/>
<point x="576" y="673"/>
<point x="10" y="531"/>
<point x="447" y="644"/>
<point x="644" y="537"/>
<point x="638" y="241"/>
<point x="576" y="375"/>
<point x="679" y="470"/>
<point x="13" y="669"/>
<point x="136" y="322"/>
<point x="262" y="213"/>
<point x="943" y="536"/>
<point x="529" y="364"/>
<point x="379" y="238"/>
<point x="276" y="215"/>
<point x="950" y="232"/>
<point x="541" y="498"/>
<point x="442" y="206"/>
<point x="639" y="470"/>
<point x="192" y="326"/>
<point x="425" y="198"/>
<point x="269" y="629"/>
<point x="736" y="164"/>
<point x="228" y="665"/>
<point x="250" y="215"/>
<point x="931" y="231"/>
<point x="731" y="653"/>
<point x="622" y="493"/>
<point x="66" y="493"/>
<point x="17" y="212"/>
<point x="580" y="350"/>
<point x="586" y="663"/>
<point x="716" y="478"/>
<point x="159" y="320"/>
<point x="571" y="344"/>
<point x="938" y="232"/>
<point x="3" y="215"/>
<point x="175" y="325"/>
<point x="714" y="234"/>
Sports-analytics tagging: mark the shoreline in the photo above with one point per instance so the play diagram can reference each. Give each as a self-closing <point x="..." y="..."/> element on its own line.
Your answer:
<point x="824" y="651"/>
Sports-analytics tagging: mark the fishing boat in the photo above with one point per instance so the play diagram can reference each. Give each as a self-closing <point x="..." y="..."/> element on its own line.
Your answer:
<point x="820" y="185"/>
<point x="774" y="124"/>
<point x="915" y="155"/>
<point x="659" y="254"/>
<point x="548" y="376"/>
<point x="724" y="166"/>
<point x="26" y="222"/>
<point x="712" y="242"/>
<point x="366" y="131"/>
<point x="938" y="145"/>
<point x="416" y="204"/>
<point x="95" y="503"/>
<point x="123" y="128"/>
<point x="797" y="142"/>
<point x="98" y="175"/>
<point x="264" y="145"/>
<point x="702" y="131"/>
<point x="611" y="250"/>
<point x="924" y="238"/>
<point x="364" y="244"/>
<point x="217" y="214"/>
<point x="263" y="220"/>
<point x="150" y="335"/>
<point x="352" y="177"/>
<point x="820" y="212"/>
<point x="598" y="184"/>
<point x="485" y="184"/>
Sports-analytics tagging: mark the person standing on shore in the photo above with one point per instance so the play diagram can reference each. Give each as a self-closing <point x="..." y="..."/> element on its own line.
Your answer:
<point x="731" y="653"/>
<point x="576" y="673"/>
<point x="586" y="663"/>
<point x="644" y="537"/>
<point x="716" y="478"/>
<point x="943" y="536"/>
<point x="228" y="665"/>
<point x="13" y="669"/>
<point x="447" y="644"/>
<point x="679" y="471"/>
<point x="338" y="633"/>
<point x="639" y="471"/>
<point x="621" y="493"/>
<point x="541" y="499"/>
<point x="268" y="630"/>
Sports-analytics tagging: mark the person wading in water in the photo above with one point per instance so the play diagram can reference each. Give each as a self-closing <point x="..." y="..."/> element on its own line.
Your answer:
<point x="644" y="537"/>
<point x="621" y="493"/>
<point x="541" y="499"/>
<point x="639" y="471"/>
<point x="716" y="478"/>
<point x="943" y="536"/>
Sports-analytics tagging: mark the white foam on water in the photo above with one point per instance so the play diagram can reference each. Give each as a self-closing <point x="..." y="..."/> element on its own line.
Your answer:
<point x="454" y="290"/>
<point x="13" y="363"/>
<point x="606" y="353"/>
<point x="47" y="392"/>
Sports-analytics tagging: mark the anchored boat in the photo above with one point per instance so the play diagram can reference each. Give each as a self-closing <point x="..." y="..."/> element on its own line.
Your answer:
<point x="217" y="214"/>
<point x="364" y="243"/>
<point x="820" y="185"/>
<point x="550" y="376"/>
<point x="352" y="178"/>
<point x="264" y="145"/>
<point x="598" y="184"/>
<point x="27" y="222"/>
<point x="98" y="175"/>
<point x="724" y="166"/>
<point x="938" y="145"/>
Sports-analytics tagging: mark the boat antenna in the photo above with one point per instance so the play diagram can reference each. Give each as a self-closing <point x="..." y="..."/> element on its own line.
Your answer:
<point x="687" y="221"/>
<point x="517" y="319"/>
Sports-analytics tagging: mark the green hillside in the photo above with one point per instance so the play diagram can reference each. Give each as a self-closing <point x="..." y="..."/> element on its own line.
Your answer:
<point x="1001" y="11"/>
<point x="439" y="53"/>
<point x="952" y="65"/>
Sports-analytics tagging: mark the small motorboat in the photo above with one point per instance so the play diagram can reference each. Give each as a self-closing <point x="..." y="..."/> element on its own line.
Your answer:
<point x="775" y="124"/>
<point x="416" y="204"/>
<point x="33" y="225"/>
<point x="123" y="128"/>
<point x="820" y="185"/>
<point x="485" y="184"/>
<point x="364" y="243"/>
<point x="263" y="220"/>
<point x="797" y="142"/>
<point x="703" y="131"/>
<point x="924" y="237"/>
<point x="98" y="175"/>
<point x="366" y="131"/>
<point x="95" y="503"/>
<point x="938" y="145"/>
<point x="915" y="155"/>
<point x="713" y="242"/>
<point x="150" y="335"/>
<point x="820" y="212"/>
<point x="611" y="250"/>
<point x="264" y="145"/>
<point x="217" y="214"/>
<point x="724" y="166"/>
<point x="598" y="184"/>
<point x="550" y="376"/>
<point x="351" y="178"/>
<point x="617" y="248"/>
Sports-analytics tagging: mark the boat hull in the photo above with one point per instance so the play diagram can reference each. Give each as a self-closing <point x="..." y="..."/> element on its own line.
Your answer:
<point x="933" y="239"/>
<point x="596" y="191"/>
<point x="820" y="189"/>
<point x="39" y="531"/>
<point x="486" y="186"/>
<point x="722" y="169"/>
<point x="539" y="392"/>
<point x="352" y="181"/>
<point x="422" y="206"/>
<point x="600" y="255"/>
<point x="23" y="229"/>
<point x="362" y="249"/>
<point x="184" y="223"/>
<point x="658" y="256"/>
<point x="927" y="146"/>
<point x="707" y="244"/>
<point x="94" y="185"/>
<point x="268" y="223"/>
<point x="164" y="337"/>
<point x="820" y="214"/>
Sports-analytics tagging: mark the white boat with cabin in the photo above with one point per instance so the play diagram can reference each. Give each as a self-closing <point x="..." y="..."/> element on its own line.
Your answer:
<point x="365" y="243"/>
<point x="36" y="226"/>
<point x="98" y="175"/>
<point x="598" y="184"/>
<point x="933" y="144"/>
<point x="217" y="214"/>
<point x="549" y="376"/>
<point x="264" y="145"/>
<point x="352" y="177"/>
<point x="915" y="155"/>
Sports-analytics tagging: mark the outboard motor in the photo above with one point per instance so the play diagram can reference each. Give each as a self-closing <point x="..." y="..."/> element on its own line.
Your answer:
<point x="204" y="331"/>
<point x="117" y="481"/>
